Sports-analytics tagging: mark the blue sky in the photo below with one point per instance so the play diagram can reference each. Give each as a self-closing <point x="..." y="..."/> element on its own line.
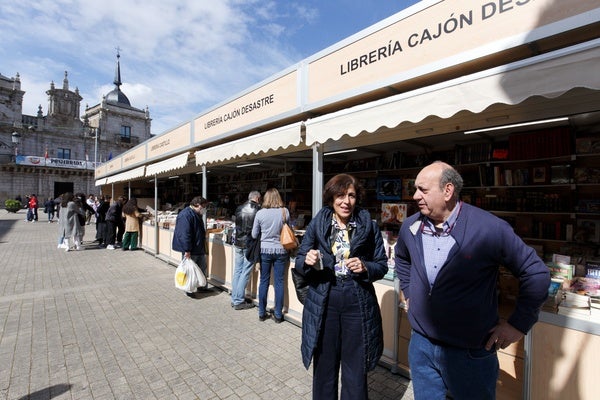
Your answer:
<point x="178" y="57"/>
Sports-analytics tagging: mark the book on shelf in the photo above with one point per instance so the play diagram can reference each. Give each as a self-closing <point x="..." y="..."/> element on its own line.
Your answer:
<point x="508" y="177"/>
<point x="408" y="189"/>
<point x="592" y="269"/>
<point x="560" y="174"/>
<point x="588" y="206"/>
<point x="587" y="231"/>
<point x="560" y="270"/>
<point x="583" y="175"/>
<point x="587" y="145"/>
<point x="393" y="213"/>
<point x="524" y="225"/>
<point x="561" y="258"/>
<point x="543" y="143"/>
<point x="521" y="177"/>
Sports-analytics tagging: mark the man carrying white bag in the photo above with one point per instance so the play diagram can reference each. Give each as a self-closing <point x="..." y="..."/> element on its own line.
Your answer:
<point x="188" y="276"/>
<point x="189" y="238"/>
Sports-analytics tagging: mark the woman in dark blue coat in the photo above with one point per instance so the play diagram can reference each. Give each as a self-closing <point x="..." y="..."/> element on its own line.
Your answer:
<point x="341" y="255"/>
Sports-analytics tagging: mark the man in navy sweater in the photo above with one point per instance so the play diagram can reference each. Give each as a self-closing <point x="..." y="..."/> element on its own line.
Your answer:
<point x="447" y="259"/>
<point x="189" y="236"/>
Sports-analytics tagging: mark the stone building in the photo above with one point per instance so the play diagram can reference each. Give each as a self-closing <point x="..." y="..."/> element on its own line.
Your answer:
<point x="55" y="153"/>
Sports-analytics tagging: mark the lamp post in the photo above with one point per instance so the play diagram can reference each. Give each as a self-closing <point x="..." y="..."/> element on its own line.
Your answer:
<point x="95" y="147"/>
<point x="16" y="138"/>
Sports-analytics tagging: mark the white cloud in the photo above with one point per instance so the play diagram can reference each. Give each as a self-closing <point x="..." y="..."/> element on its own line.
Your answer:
<point x="178" y="58"/>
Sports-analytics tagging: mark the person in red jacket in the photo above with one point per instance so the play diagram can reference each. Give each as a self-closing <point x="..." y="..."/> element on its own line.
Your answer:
<point x="32" y="212"/>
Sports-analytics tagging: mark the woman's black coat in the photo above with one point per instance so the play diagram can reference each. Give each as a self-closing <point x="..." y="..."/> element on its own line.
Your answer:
<point x="367" y="244"/>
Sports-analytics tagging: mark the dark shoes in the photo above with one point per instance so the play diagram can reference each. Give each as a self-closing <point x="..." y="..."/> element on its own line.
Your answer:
<point x="277" y="320"/>
<point x="192" y="295"/>
<point x="243" y="306"/>
<point x="265" y="317"/>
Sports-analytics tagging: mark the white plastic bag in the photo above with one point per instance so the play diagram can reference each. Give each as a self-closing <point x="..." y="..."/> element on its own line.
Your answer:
<point x="188" y="276"/>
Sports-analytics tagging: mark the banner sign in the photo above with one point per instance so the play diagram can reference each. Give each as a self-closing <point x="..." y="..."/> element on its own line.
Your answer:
<point x="53" y="162"/>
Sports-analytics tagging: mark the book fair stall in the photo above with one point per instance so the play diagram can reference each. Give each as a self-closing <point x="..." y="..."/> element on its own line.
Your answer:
<point x="506" y="91"/>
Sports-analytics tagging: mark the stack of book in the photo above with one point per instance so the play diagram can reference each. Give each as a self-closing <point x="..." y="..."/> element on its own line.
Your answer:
<point x="575" y="305"/>
<point x="554" y="296"/>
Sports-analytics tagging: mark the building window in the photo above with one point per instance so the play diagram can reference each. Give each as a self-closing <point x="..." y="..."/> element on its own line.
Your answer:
<point x="125" y="134"/>
<point x="64" y="154"/>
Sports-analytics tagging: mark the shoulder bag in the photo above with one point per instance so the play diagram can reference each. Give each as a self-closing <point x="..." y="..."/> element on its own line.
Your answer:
<point x="287" y="237"/>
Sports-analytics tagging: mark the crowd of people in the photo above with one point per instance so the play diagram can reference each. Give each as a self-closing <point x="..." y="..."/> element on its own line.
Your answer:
<point x="117" y="223"/>
<point x="447" y="257"/>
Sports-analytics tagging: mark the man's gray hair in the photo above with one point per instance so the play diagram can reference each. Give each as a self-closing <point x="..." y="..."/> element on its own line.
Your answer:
<point x="451" y="175"/>
<point x="253" y="195"/>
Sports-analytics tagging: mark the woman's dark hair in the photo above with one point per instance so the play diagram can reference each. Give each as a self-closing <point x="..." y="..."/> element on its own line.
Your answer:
<point x="130" y="207"/>
<point x="199" y="201"/>
<point x="66" y="198"/>
<point x="338" y="186"/>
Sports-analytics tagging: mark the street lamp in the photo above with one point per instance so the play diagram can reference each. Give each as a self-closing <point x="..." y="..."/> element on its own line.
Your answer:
<point x="16" y="138"/>
<point x="95" y="130"/>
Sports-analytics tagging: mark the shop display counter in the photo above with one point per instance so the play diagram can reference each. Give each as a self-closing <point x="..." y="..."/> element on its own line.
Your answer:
<point x="564" y="353"/>
<point x="148" y="237"/>
<point x="220" y="259"/>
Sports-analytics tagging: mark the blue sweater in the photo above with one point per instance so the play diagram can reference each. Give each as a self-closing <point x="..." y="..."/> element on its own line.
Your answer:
<point x="190" y="234"/>
<point x="462" y="306"/>
<point x="367" y="244"/>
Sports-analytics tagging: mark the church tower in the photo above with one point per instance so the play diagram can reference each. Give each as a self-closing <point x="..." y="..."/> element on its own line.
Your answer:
<point x="118" y="125"/>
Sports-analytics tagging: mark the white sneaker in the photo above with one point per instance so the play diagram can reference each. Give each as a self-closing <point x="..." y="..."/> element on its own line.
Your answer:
<point x="110" y="247"/>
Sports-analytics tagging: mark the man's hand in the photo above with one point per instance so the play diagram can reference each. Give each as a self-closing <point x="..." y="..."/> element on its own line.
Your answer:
<point x="502" y="335"/>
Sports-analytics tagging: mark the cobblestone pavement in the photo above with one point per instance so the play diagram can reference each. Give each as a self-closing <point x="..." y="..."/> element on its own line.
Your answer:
<point x="101" y="324"/>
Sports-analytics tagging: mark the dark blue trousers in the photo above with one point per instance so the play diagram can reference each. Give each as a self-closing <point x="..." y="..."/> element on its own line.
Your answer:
<point x="340" y="345"/>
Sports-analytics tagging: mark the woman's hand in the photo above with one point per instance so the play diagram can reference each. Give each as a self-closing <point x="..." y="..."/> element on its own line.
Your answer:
<point x="312" y="258"/>
<point x="355" y="265"/>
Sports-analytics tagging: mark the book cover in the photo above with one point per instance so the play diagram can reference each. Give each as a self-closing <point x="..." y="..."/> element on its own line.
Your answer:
<point x="393" y="213"/>
<point x="389" y="189"/>
<point x="559" y="174"/>
<point x="408" y="189"/>
<point x="587" y="145"/>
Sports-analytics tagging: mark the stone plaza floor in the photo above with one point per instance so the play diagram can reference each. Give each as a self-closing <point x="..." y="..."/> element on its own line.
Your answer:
<point x="109" y="324"/>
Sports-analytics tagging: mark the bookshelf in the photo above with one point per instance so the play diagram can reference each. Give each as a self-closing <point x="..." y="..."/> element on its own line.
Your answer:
<point x="294" y="183"/>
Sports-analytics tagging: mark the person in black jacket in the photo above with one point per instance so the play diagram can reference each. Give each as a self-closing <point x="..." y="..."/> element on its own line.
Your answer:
<point x="101" y="226"/>
<point x="114" y="219"/>
<point x="341" y="255"/>
<point x="244" y="218"/>
<point x="189" y="236"/>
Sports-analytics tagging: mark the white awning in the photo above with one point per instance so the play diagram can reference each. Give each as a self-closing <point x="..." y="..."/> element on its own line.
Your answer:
<point x="283" y="137"/>
<point x="100" y="182"/>
<point x="549" y="75"/>
<point x="169" y="164"/>
<point x="127" y="175"/>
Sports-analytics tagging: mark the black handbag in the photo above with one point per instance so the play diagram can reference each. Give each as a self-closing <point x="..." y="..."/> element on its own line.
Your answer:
<point x="252" y="251"/>
<point x="300" y="284"/>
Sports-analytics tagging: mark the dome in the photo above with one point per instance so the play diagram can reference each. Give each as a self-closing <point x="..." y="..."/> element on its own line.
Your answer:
<point x="115" y="96"/>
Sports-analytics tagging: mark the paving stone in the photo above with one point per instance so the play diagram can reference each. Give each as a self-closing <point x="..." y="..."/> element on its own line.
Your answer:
<point x="97" y="325"/>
